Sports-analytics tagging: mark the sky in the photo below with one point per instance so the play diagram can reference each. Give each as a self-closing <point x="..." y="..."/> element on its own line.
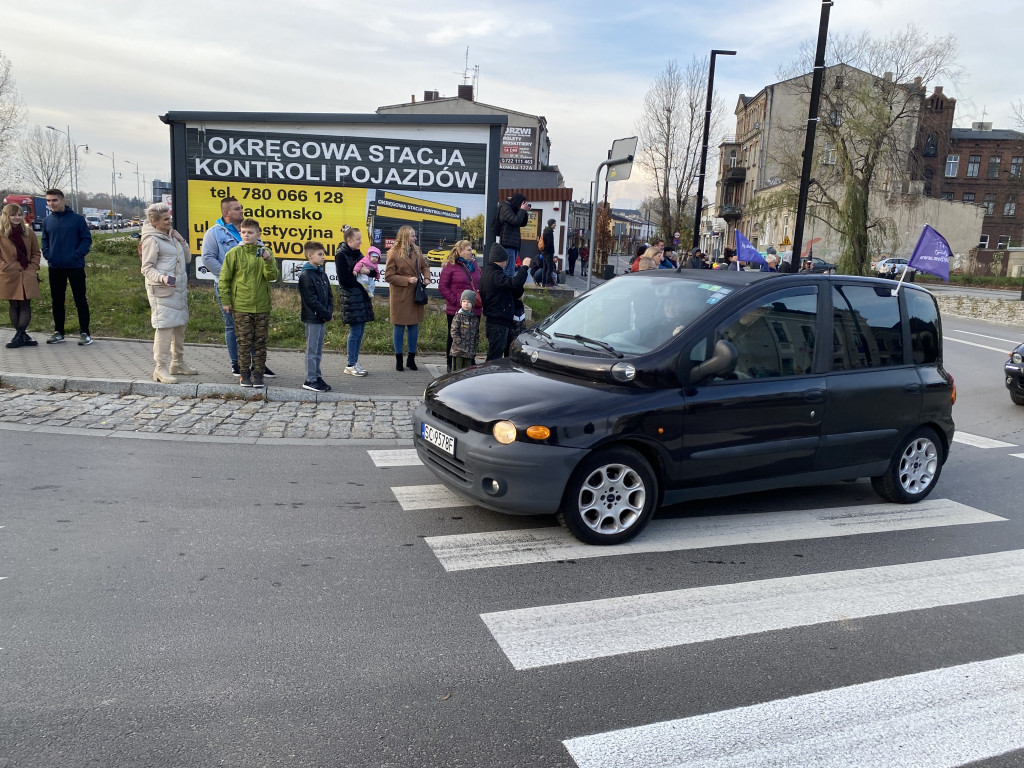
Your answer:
<point x="109" y="68"/>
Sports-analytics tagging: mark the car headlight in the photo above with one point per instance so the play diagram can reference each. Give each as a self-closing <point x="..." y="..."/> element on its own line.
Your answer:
<point x="1015" y="357"/>
<point x="504" y="432"/>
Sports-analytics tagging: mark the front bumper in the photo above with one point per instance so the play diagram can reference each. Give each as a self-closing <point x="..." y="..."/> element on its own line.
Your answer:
<point x="530" y="477"/>
<point x="1014" y="377"/>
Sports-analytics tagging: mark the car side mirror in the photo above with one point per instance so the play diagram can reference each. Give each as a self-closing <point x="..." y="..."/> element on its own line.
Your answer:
<point x="722" y="361"/>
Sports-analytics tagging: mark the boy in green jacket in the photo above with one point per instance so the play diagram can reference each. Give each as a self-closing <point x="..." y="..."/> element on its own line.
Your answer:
<point x="245" y="279"/>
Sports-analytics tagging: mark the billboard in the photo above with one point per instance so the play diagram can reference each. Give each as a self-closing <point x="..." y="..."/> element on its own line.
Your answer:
<point x="306" y="177"/>
<point x="519" y="148"/>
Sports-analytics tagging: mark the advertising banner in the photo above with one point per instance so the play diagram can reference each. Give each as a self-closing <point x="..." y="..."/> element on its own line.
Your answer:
<point x="308" y="181"/>
<point x="518" y="149"/>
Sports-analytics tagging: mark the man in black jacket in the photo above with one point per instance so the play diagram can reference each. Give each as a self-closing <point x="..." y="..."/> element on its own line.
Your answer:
<point x="512" y="215"/>
<point x="548" y="254"/>
<point x="498" y="293"/>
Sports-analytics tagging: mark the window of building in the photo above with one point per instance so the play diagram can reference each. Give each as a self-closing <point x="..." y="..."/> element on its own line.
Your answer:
<point x="924" y="327"/>
<point x="931" y="145"/>
<point x="968" y="197"/>
<point x="732" y="158"/>
<point x="830" y="154"/>
<point x="993" y="166"/>
<point x="1015" y="166"/>
<point x="1010" y="208"/>
<point x="952" y="166"/>
<point x="835" y="115"/>
<point x="1003" y="242"/>
<point x="947" y="196"/>
<point x="927" y="175"/>
<point x="866" y="328"/>
<point x="775" y="337"/>
<point x="973" y="166"/>
<point x="983" y="243"/>
<point x="990" y="203"/>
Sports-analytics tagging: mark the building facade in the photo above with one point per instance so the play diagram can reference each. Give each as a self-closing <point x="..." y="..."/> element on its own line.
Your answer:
<point x="976" y="166"/>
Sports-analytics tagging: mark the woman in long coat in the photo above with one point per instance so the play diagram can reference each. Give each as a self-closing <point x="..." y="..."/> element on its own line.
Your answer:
<point x="19" y="272"/>
<point x="405" y="268"/>
<point x="459" y="274"/>
<point x="165" y="255"/>
<point x="356" y="305"/>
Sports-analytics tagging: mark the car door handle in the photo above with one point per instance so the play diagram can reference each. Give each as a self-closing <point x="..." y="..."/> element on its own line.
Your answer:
<point x="814" y="395"/>
<point x="912" y="389"/>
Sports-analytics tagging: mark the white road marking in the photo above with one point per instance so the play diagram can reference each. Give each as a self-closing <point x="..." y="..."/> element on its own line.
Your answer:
<point x="396" y="458"/>
<point x="942" y="718"/>
<point x="1017" y="455"/>
<point x="975" y="344"/>
<point x="557" y="634"/>
<point x="413" y="497"/>
<point x="994" y="338"/>
<point x="540" y="545"/>
<point x="980" y="442"/>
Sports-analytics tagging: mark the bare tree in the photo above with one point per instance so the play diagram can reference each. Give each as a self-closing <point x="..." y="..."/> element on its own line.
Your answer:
<point x="43" y="160"/>
<point x="669" y="130"/>
<point x="12" y="116"/>
<point x="870" y="105"/>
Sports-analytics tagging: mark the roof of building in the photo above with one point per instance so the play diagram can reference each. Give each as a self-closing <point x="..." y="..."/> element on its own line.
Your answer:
<point x="538" y="193"/>
<point x="995" y="134"/>
<point x="425" y="104"/>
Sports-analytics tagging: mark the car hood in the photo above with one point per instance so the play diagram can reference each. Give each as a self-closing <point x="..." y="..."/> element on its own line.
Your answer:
<point x="478" y="397"/>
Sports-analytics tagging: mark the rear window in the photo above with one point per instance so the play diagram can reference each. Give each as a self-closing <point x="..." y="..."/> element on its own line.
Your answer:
<point x="867" y="331"/>
<point x="634" y="316"/>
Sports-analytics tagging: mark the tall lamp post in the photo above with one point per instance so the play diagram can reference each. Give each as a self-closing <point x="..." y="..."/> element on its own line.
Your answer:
<point x="71" y="167"/>
<point x="113" y="180"/>
<point x="138" y="184"/>
<point x="704" y="144"/>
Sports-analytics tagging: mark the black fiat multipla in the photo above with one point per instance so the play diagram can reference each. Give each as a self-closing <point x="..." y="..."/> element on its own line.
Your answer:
<point x="661" y="386"/>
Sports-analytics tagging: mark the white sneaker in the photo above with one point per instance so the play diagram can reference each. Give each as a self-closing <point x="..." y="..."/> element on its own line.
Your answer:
<point x="355" y="370"/>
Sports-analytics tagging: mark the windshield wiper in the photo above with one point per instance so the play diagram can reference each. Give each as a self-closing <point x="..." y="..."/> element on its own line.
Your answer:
<point x="546" y="336"/>
<point x="585" y="340"/>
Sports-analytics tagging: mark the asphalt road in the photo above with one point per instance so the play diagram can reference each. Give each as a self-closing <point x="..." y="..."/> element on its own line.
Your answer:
<point x="170" y="604"/>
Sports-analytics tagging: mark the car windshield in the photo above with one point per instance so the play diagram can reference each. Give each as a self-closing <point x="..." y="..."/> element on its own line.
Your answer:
<point x="633" y="316"/>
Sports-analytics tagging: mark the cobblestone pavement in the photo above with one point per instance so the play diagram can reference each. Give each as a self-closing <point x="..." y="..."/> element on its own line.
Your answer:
<point x="213" y="419"/>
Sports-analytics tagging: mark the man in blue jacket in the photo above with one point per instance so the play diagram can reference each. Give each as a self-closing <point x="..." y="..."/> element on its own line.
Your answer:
<point x="66" y="241"/>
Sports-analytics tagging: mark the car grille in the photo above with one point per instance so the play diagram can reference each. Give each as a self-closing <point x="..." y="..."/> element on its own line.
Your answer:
<point x="448" y="420"/>
<point x="450" y="465"/>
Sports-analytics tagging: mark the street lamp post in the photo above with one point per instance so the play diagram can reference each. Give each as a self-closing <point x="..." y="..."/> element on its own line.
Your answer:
<point x="704" y="144"/>
<point x="113" y="183"/>
<point x="71" y="167"/>
<point x="138" y="185"/>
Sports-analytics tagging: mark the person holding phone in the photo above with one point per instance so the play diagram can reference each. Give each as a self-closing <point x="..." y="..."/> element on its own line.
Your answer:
<point x="165" y="255"/>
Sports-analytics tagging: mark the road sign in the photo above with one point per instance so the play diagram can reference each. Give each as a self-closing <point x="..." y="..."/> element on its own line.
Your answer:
<point x="786" y="241"/>
<point x="624" y="150"/>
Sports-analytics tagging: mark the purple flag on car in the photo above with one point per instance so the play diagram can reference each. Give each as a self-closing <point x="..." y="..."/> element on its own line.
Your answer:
<point x="931" y="254"/>
<point x="746" y="252"/>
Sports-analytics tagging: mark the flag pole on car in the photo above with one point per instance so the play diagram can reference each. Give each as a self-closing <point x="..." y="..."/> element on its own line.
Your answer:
<point x="931" y="255"/>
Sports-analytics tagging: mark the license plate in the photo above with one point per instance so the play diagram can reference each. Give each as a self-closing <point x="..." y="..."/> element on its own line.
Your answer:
<point x="436" y="437"/>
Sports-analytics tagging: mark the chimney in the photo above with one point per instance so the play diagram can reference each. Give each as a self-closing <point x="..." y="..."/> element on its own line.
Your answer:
<point x="414" y="98"/>
<point x="938" y="91"/>
<point x="466" y="92"/>
<point x="430" y="95"/>
<point x="981" y="126"/>
<point x="888" y="77"/>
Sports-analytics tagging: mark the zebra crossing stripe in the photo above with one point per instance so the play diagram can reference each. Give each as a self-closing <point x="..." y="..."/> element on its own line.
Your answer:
<point x="557" y="634"/>
<point x="942" y="718"/>
<point x="539" y="545"/>
<point x="397" y="458"/>
<point x="414" y="497"/>
<point x="977" y="441"/>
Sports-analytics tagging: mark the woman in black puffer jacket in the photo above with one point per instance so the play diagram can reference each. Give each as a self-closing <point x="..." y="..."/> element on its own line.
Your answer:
<point x="356" y="306"/>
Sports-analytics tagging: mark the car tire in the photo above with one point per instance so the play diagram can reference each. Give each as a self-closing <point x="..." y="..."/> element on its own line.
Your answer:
<point x="914" y="469"/>
<point x="1018" y="399"/>
<point x="610" y="497"/>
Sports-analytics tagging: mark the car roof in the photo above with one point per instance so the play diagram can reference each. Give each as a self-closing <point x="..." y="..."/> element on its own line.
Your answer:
<point x="749" y="277"/>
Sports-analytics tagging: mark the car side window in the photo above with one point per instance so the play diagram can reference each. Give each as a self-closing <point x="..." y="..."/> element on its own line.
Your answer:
<point x="774" y="337"/>
<point x="867" y="330"/>
<point x="923" y="315"/>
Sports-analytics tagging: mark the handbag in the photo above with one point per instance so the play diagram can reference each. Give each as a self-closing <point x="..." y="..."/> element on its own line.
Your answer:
<point x="419" y="296"/>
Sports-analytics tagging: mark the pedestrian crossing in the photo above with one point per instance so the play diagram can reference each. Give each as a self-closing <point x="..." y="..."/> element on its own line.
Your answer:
<point x="949" y="716"/>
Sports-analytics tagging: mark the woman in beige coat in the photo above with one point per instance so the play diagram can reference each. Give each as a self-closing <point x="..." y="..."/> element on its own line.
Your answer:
<point x="164" y="256"/>
<point x="19" y="272"/>
<point x="404" y="268"/>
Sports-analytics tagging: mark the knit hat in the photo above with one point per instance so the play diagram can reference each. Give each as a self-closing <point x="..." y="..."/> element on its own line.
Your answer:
<point x="771" y="249"/>
<point x="469" y="295"/>
<point x="497" y="254"/>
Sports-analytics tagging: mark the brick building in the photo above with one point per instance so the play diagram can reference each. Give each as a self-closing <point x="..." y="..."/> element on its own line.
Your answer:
<point x="975" y="166"/>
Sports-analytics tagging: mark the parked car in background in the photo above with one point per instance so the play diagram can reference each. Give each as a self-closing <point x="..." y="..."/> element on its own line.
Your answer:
<point x="820" y="266"/>
<point x="660" y="387"/>
<point x="892" y="267"/>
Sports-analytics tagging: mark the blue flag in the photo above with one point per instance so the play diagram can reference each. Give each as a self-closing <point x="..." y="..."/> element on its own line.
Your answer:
<point x="931" y="254"/>
<point x="746" y="252"/>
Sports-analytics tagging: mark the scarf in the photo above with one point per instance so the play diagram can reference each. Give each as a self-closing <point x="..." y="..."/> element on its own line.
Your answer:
<point x="469" y="264"/>
<point x="18" y="239"/>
